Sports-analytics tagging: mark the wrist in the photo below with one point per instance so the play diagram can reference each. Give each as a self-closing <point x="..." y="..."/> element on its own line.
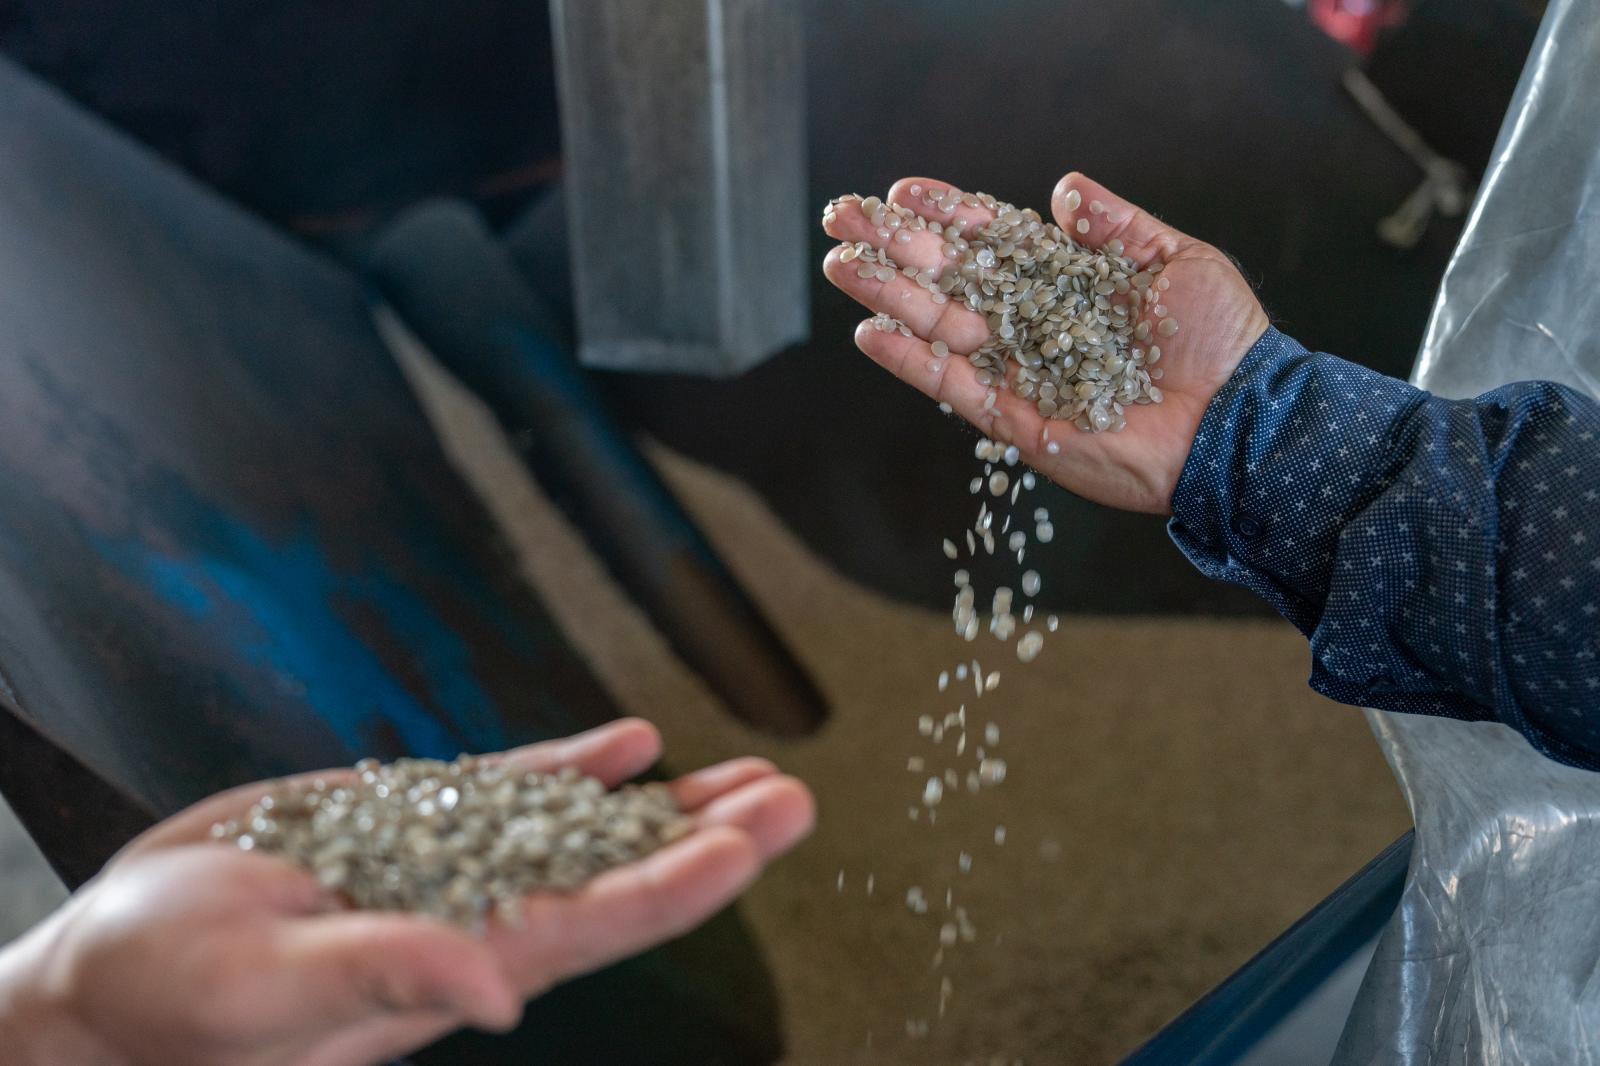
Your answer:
<point x="1293" y="446"/>
<point x="38" y="1026"/>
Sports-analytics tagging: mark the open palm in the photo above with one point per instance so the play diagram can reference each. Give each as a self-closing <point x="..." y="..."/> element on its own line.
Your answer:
<point x="1219" y="319"/>
<point x="188" y="951"/>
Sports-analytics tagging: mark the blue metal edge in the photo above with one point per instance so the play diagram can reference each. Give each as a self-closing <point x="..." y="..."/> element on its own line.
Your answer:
<point x="1234" y="1016"/>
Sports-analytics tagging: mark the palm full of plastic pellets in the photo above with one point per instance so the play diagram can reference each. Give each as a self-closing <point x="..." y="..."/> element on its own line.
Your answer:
<point x="460" y="839"/>
<point x="1074" y="330"/>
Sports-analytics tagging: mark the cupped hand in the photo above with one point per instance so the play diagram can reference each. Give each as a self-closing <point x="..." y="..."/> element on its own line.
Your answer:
<point x="184" y="950"/>
<point x="1136" y="469"/>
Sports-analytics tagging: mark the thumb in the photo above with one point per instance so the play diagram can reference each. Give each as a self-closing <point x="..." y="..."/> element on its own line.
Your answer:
<point x="1105" y="216"/>
<point x="356" y="965"/>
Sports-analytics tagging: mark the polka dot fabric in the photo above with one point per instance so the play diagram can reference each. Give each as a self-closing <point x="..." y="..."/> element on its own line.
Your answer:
<point x="1442" y="555"/>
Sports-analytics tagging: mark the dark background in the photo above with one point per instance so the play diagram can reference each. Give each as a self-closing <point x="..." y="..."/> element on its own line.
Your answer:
<point x="1225" y="118"/>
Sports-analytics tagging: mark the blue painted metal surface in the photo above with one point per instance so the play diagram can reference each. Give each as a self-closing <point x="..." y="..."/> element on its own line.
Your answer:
<point x="289" y="614"/>
<point x="225" y="517"/>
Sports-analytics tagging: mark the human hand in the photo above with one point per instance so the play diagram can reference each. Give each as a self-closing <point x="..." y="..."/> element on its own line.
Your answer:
<point x="184" y="950"/>
<point x="1136" y="469"/>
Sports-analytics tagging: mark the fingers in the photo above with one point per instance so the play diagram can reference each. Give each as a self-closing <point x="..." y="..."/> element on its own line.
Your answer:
<point x="627" y="910"/>
<point x="747" y="814"/>
<point x="355" y="965"/>
<point x="1078" y="199"/>
<point x="776" y="812"/>
<point x="613" y="752"/>
<point x="951" y="322"/>
<point x="954" y="381"/>
<point x="913" y="249"/>
<point x="934" y="201"/>
<point x="923" y="195"/>
<point x="695" y="790"/>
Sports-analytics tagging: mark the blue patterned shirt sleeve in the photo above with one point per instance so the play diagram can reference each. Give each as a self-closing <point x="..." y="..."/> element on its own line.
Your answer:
<point x="1443" y="556"/>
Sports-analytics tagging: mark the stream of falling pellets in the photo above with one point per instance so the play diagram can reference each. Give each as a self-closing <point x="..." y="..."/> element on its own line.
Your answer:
<point x="959" y="743"/>
<point x="1074" y="330"/>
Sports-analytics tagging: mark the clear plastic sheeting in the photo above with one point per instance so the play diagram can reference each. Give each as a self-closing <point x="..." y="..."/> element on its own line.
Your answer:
<point x="1493" y="956"/>
<point x="683" y="130"/>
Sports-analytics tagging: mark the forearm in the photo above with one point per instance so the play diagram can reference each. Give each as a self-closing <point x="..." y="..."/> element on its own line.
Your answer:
<point x="1393" y="528"/>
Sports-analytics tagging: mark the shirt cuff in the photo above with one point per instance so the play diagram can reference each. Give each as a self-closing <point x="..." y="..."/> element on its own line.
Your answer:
<point x="1290" y="449"/>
